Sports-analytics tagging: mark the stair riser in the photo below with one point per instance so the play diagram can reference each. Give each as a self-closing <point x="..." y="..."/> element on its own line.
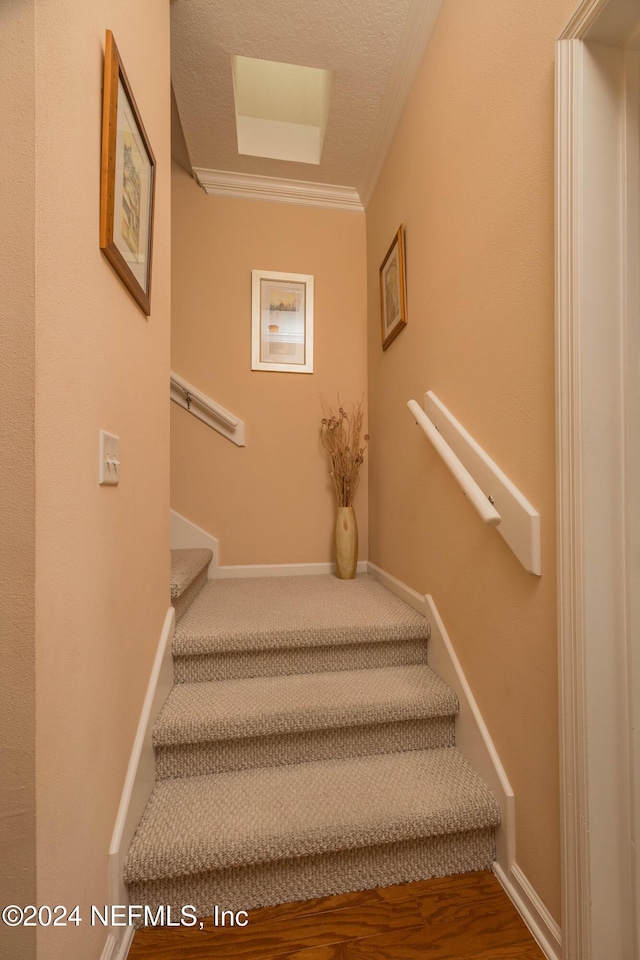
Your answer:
<point x="196" y="759"/>
<point x="277" y="662"/>
<point x="184" y="601"/>
<point x="282" y="881"/>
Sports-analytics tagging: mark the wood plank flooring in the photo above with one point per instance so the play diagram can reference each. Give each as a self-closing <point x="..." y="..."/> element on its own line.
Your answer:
<point x="467" y="917"/>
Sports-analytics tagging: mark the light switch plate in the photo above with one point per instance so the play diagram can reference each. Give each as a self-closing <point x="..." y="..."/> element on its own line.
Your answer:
<point x="109" y="458"/>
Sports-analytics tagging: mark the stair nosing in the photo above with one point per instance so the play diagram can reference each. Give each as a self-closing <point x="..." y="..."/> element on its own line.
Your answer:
<point x="204" y="845"/>
<point x="376" y="615"/>
<point x="174" y="727"/>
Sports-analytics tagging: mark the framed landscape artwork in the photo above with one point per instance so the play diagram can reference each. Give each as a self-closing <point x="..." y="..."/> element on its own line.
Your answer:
<point x="127" y="185"/>
<point x="281" y="321"/>
<point x="393" y="297"/>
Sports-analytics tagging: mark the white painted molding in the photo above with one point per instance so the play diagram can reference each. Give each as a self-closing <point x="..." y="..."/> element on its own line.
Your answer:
<point x="125" y="943"/>
<point x="234" y="571"/>
<point x="583" y="19"/>
<point x="473" y="739"/>
<point x="204" y="408"/>
<point x="413" y="43"/>
<point x="410" y="51"/>
<point x="596" y="696"/>
<point x="109" y="949"/>
<point x="572" y="715"/>
<point x="275" y="189"/>
<point x="140" y="778"/>
<point x="115" y="949"/>
<point x="472" y="736"/>
<point x="527" y="902"/>
<point x="400" y="589"/>
<point x="186" y="535"/>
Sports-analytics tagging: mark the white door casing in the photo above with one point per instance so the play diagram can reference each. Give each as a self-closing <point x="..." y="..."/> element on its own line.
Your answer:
<point x="598" y="463"/>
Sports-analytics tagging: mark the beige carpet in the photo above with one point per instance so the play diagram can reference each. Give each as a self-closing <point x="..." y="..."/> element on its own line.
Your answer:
<point x="306" y="749"/>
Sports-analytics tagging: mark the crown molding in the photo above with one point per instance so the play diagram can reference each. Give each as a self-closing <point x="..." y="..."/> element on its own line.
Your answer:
<point x="583" y="18"/>
<point x="413" y="43"/>
<point x="226" y="184"/>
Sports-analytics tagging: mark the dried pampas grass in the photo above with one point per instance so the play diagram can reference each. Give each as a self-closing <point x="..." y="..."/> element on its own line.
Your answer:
<point x="341" y="438"/>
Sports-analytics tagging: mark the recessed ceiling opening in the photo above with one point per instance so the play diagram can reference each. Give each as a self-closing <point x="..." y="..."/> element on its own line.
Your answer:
<point x="281" y="109"/>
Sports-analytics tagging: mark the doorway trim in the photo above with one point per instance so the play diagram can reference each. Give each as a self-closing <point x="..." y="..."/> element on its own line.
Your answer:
<point x="593" y="167"/>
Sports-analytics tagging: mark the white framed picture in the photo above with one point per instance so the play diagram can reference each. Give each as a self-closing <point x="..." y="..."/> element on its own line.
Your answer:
<point x="281" y="321"/>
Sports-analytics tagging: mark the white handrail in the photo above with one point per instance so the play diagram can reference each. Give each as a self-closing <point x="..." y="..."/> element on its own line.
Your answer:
<point x="204" y="408"/>
<point x="479" y="500"/>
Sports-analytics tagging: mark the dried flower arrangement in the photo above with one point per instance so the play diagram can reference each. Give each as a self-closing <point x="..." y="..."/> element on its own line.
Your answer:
<point x="341" y="437"/>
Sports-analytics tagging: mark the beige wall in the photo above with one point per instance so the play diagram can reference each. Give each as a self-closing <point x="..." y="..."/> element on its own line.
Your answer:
<point x="102" y="561"/>
<point x="271" y="501"/>
<point x="17" y="502"/>
<point x="470" y="174"/>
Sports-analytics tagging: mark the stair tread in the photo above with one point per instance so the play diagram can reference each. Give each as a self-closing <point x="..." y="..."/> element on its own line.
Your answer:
<point x="263" y="706"/>
<point x="270" y="613"/>
<point x="185" y="566"/>
<point x="196" y="824"/>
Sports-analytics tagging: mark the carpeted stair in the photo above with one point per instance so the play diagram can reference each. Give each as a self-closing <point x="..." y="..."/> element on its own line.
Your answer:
<point x="306" y="749"/>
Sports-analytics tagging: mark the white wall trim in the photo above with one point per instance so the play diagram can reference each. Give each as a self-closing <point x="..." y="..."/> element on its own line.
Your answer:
<point x="115" y="949"/>
<point x="542" y="925"/>
<point x="234" y="571"/>
<point x="598" y="881"/>
<point x="125" y="943"/>
<point x="573" y="782"/>
<point x="140" y="778"/>
<point x="278" y="190"/>
<point x="413" y="43"/>
<point x="400" y="589"/>
<point x="109" y="949"/>
<point x="473" y="739"/>
<point x="583" y="19"/>
<point x="472" y="736"/>
<point x="416" y="32"/>
<point x="475" y="743"/>
<point x="187" y="535"/>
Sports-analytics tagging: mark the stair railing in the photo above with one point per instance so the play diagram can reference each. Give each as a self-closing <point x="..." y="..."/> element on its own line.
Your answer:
<point x="204" y="408"/>
<point x="494" y="496"/>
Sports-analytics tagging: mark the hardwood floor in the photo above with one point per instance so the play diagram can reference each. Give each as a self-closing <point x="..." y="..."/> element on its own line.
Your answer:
<point x="468" y="917"/>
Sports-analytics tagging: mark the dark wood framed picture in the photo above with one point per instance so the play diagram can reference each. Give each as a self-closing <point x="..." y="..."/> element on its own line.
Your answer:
<point x="127" y="186"/>
<point x="393" y="296"/>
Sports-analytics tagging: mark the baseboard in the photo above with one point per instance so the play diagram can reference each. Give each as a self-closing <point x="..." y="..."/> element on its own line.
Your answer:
<point x="472" y="736"/>
<point x="115" y="949"/>
<point x="110" y="948"/>
<point x="281" y="570"/>
<point x="140" y="776"/>
<point x="186" y="535"/>
<point x="125" y="943"/>
<point x="543" y="927"/>
<point x="400" y="589"/>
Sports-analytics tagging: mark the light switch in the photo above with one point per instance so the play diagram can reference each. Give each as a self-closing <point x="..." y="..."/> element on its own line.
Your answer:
<point x="109" y="458"/>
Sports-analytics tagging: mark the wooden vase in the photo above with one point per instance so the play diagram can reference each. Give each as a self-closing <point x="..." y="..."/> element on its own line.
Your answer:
<point x="346" y="543"/>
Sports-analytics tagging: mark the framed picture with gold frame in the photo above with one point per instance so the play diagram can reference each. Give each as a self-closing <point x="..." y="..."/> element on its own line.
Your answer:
<point x="281" y="321"/>
<point x="127" y="185"/>
<point x="393" y="291"/>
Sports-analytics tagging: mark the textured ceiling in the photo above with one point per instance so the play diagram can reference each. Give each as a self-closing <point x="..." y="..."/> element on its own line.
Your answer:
<point x="359" y="40"/>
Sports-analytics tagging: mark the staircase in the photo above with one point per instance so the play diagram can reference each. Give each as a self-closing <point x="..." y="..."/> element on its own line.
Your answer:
<point x="306" y="749"/>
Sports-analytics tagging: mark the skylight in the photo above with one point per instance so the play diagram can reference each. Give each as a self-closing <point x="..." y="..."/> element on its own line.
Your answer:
<point x="281" y="109"/>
